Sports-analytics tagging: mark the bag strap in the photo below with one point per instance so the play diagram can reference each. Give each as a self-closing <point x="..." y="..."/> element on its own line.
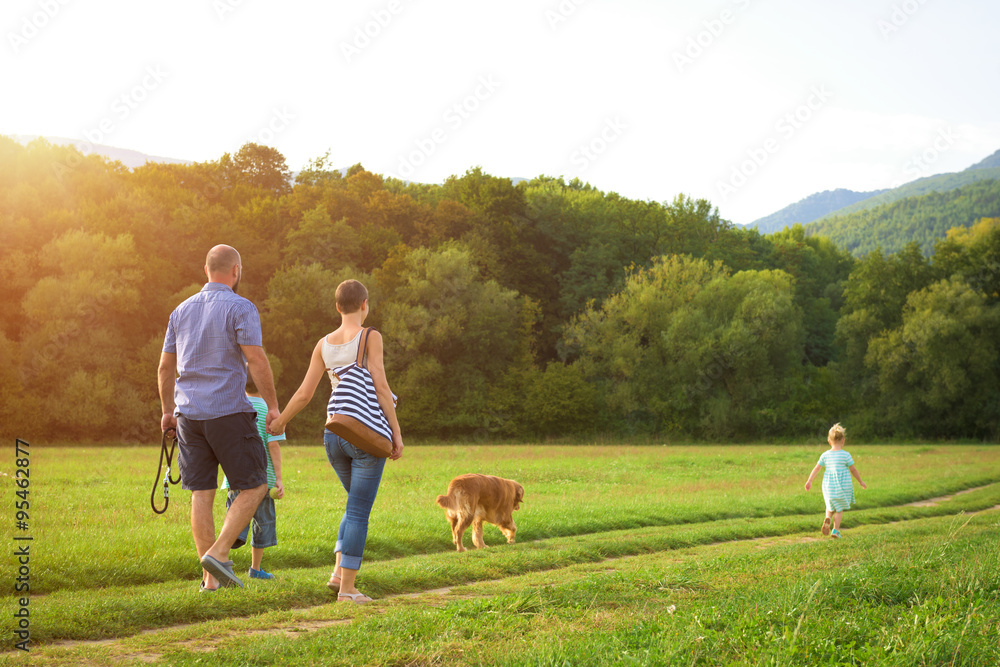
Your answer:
<point x="363" y="347"/>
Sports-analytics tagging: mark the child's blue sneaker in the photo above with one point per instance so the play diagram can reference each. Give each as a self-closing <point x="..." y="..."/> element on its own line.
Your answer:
<point x="260" y="574"/>
<point x="833" y="533"/>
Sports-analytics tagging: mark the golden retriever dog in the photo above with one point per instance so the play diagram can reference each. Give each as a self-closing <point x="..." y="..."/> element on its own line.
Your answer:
<point x="473" y="499"/>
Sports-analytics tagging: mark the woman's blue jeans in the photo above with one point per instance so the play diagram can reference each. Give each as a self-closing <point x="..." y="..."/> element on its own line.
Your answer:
<point x="360" y="473"/>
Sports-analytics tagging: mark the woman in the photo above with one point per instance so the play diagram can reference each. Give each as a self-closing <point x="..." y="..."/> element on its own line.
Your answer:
<point x="359" y="472"/>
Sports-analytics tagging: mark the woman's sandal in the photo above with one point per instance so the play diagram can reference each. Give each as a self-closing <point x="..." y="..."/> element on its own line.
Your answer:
<point x="359" y="598"/>
<point x="334" y="583"/>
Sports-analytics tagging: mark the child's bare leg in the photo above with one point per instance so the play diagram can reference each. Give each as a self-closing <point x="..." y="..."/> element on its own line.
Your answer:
<point x="837" y="516"/>
<point x="256" y="555"/>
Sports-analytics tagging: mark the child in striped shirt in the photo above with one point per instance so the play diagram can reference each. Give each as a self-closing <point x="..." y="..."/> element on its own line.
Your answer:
<point x="838" y="490"/>
<point x="264" y="523"/>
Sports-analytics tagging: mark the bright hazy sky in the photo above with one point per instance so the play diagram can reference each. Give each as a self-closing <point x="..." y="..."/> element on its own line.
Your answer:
<point x="752" y="104"/>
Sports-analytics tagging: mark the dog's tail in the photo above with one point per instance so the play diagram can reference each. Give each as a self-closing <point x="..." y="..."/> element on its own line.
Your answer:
<point x="446" y="502"/>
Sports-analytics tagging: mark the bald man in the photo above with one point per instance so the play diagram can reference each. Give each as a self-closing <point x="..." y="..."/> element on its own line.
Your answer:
<point x="212" y="340"/>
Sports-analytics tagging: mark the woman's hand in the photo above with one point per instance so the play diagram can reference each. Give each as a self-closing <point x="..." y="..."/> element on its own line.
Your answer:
<point x="397" y="447"/>
<point x="277" y="426"/>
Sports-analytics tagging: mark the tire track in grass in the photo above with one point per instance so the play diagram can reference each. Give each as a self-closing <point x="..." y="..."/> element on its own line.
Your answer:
<point x="934" y="502"/>
<point x="302" y="627"/>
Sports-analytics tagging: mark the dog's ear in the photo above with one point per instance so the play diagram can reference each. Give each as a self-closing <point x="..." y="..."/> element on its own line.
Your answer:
<point x="519" y="495"/>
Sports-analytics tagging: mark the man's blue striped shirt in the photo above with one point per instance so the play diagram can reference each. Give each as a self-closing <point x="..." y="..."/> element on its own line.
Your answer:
<point x="205" y="332"/>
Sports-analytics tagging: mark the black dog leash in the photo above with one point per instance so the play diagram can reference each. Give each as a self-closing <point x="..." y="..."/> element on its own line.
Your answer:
<point x="166" y="479"/>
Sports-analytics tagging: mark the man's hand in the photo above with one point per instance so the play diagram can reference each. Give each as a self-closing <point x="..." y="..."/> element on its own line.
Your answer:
<point x="809" y="485"/>
<point x="168" y="421"/>
<point x="280" y="488"/>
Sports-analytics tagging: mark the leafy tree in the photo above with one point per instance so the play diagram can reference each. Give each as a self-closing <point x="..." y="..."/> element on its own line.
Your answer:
<point x="938" y="371"/>
<point x="874" y="296"/>
<point x="559" y="401"/>
<point x="318" y="170"/>
<point x="688" y="348"/>
<point x="456" y="344"/>
<point x="820" y="271"/>
<point x="80" y="320"/>
<point x="973" y="254"/>
<point x="258" y="166"/>
<point x="318" y="240"/>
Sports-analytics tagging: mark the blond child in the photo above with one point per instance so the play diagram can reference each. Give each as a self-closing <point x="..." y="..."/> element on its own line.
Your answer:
<point x="838" y="491"/>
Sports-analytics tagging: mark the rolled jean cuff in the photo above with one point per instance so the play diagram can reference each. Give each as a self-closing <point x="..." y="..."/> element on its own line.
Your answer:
<point x="346" y="560"/>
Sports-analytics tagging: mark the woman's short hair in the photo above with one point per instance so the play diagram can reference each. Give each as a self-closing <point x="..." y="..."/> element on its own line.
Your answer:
<point x="350" y="295"/>
<point x="837" y="433"/>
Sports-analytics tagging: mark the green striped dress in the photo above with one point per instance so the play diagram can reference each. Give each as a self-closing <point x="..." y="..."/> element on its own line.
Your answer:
<point x="838" y="490"/>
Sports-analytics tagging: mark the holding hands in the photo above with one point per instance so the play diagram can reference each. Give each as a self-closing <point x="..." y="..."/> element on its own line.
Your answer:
<point x="275" y="422"/>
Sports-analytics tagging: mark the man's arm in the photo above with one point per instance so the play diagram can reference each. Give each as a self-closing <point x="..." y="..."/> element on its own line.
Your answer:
<point x="166" y="375"/>
<point x="260" y="371"/>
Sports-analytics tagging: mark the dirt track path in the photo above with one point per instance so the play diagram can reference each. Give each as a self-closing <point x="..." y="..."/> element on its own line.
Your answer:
<point x="299" y="628"/>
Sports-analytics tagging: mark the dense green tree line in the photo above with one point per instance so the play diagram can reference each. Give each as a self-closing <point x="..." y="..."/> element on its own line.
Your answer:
<point x="542" y="309"/>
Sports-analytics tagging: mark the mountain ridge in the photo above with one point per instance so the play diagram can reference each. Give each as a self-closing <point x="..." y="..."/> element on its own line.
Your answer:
<point x="820" y="205"/>
<point x="808" y="209"/>
<point x="128" y="157"/>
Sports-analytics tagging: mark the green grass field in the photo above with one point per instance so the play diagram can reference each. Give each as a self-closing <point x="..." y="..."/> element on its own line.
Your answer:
<point x="631" y="555"/>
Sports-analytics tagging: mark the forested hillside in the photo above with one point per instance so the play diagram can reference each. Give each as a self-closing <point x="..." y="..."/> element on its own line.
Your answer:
<point x="991" y="161"/>
<point x="922" y="220"/>
<point x="918" y="188"/>
<point x="546" y="308"/>
<point x="811" y="208"/>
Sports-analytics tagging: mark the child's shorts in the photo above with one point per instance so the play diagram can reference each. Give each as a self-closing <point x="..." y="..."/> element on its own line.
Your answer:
<point x="264" y="524"/>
